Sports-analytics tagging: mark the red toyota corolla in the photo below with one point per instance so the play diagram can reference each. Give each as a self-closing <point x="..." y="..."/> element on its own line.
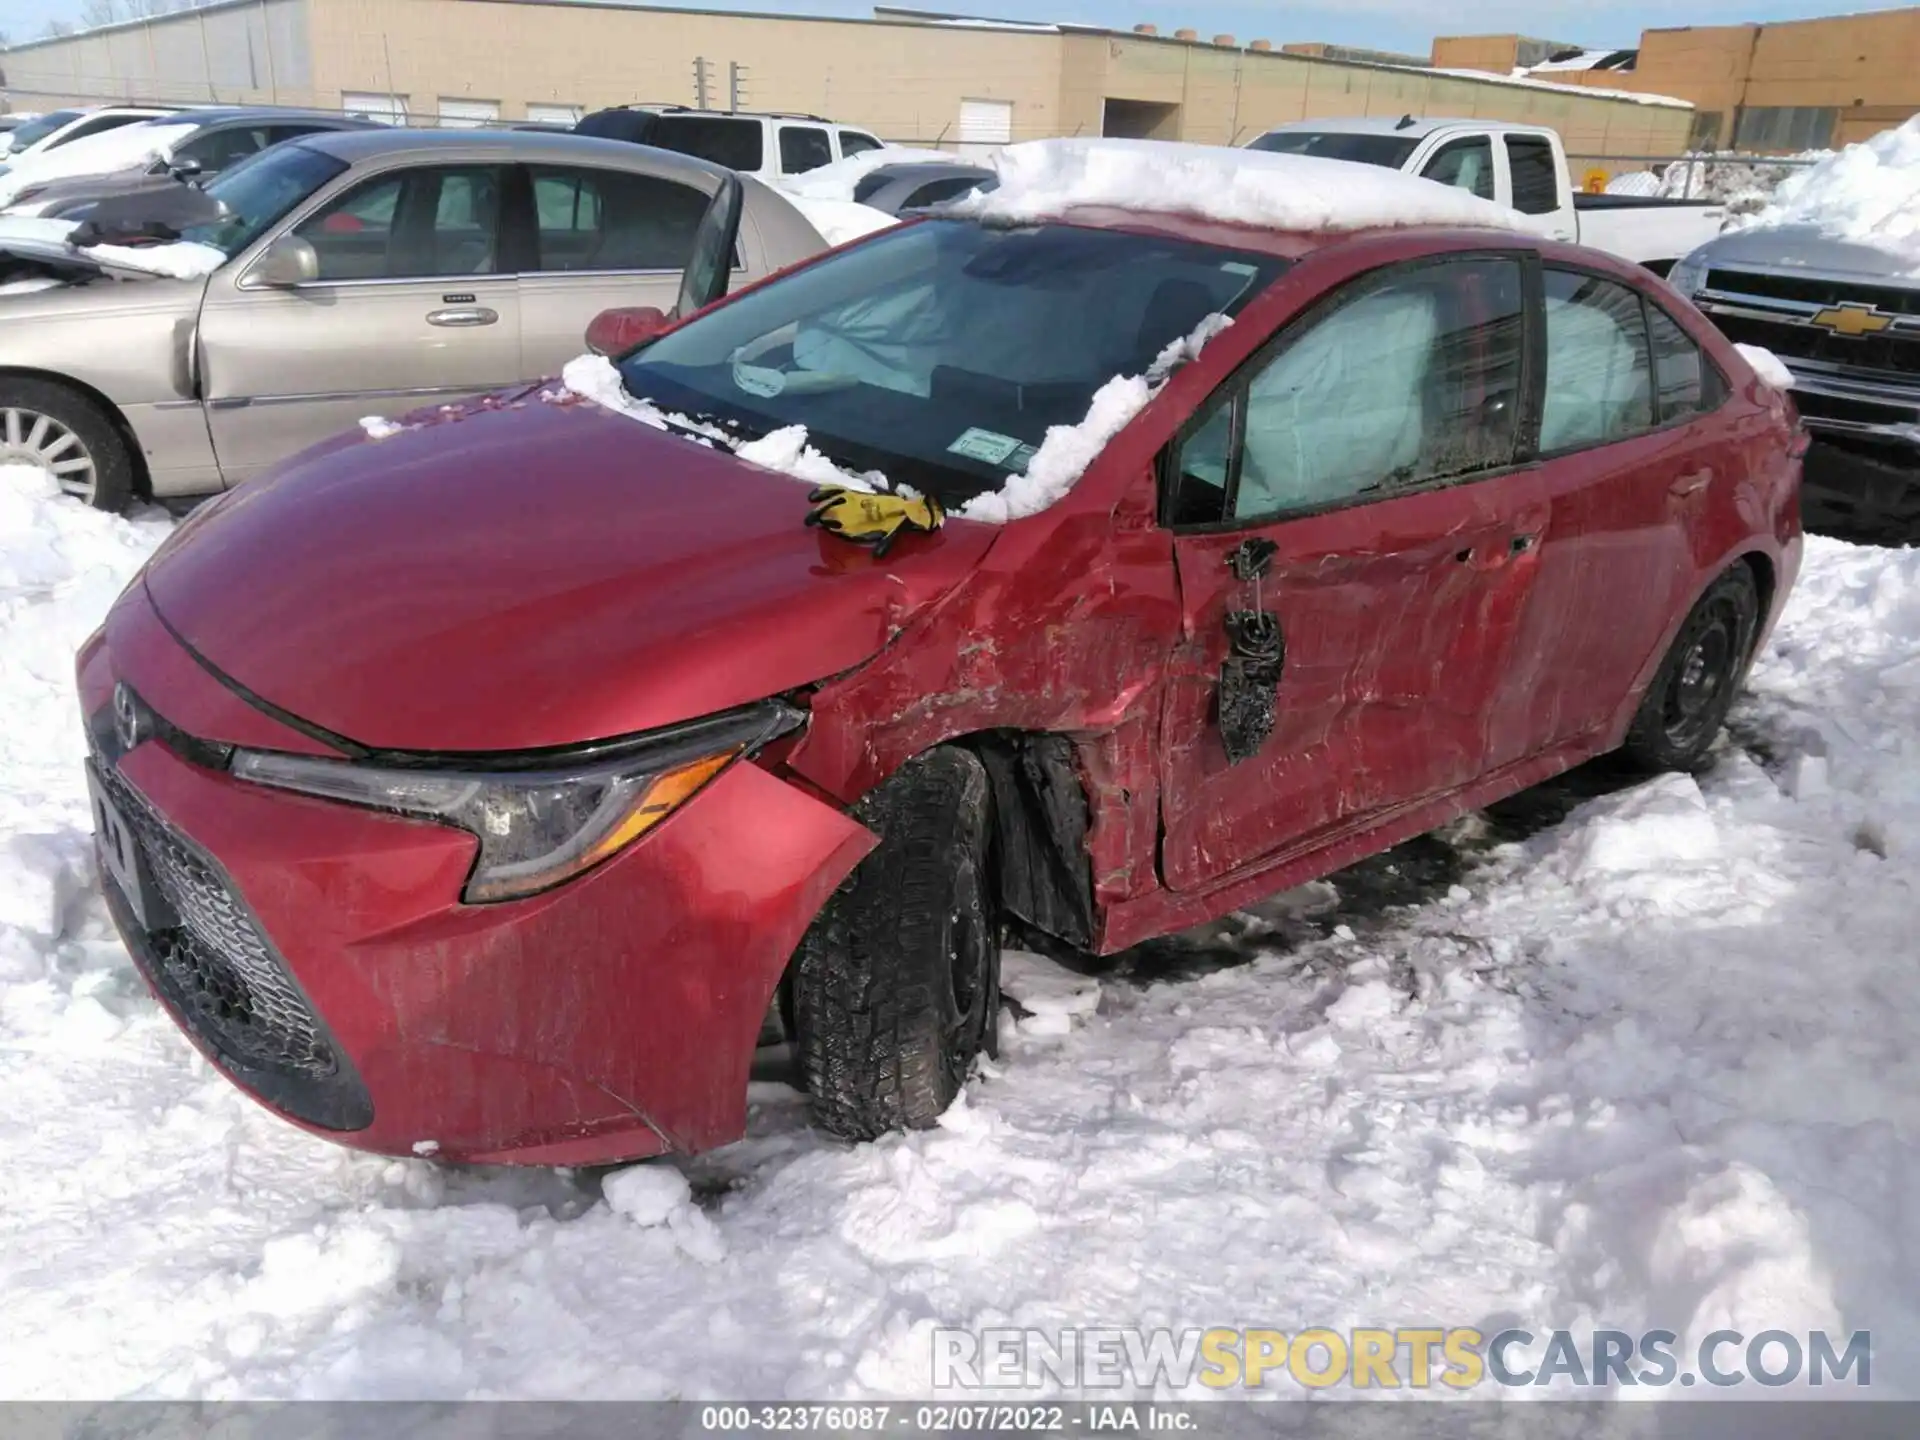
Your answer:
<point x="491" y="789"/>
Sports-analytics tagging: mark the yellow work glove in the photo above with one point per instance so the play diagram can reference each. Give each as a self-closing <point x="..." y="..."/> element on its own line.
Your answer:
<point x="874" y="520"/>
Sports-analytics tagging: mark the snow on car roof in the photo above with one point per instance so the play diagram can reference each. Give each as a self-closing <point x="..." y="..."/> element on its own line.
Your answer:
<point x="1042" y="179"/>
<point x="124" y="148"/>
<point x="1868" y="193"/>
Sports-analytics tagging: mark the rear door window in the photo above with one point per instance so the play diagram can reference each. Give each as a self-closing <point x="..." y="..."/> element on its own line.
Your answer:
<point x="803" y="148"/>
<point x="612" y="220"/>
<point x="1599" y="371"/>
<point x="734" y="143"/>
<point x="1536" y="180"/>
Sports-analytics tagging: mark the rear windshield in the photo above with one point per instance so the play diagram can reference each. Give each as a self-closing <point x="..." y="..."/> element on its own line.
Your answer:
<point x="1390" y="151"/>
<point x="735" y="144"/>
<point x="940" y="353"/>
<point x="35" y="131"/>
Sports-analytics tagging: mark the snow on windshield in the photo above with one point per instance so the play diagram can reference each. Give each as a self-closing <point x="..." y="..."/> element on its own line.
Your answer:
<point x="178" y="259"/>
<point x="125" y="148"/>
<point x="1041" y="179"/>
<point x="1056" y="466"/>
<point x="1868" y="193"/>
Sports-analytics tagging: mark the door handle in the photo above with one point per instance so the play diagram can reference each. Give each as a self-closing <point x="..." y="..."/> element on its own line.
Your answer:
<point x="463" y="315"/>
<point x="1692" y="483"/>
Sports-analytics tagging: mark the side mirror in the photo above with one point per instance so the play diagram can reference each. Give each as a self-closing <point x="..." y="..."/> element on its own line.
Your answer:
<point x="287" y="262"/>
<point x="614" y="332"/>
<point x="184" y="169"/>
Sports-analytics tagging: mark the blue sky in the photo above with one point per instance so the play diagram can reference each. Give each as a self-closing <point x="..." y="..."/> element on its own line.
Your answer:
<point x="1389" y="24"/>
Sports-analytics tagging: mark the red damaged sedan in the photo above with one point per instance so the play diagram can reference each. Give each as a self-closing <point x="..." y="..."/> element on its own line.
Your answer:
<point x="493" y="788"/>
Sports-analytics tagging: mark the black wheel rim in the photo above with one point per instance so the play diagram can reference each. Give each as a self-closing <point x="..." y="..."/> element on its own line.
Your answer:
<point x="1702" y="680"/>
<point x="969" y="969"/>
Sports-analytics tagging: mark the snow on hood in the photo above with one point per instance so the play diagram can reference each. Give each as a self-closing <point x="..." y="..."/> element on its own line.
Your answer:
<point x="839" y="180"/>
<point x="126" y="147"/>
<point x="1057" y="465"/>
<point x="1868" y="193"/>
<point x="1767" y="365"/>
<point x="177" y="260"/>
<point x="1040" y="179"/>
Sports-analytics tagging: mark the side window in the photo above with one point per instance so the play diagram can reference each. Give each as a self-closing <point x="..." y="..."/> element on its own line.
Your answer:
<point x="940" y="191"/>
<point x="1686" y="381"/>
<point x="97" y="126"/>
<point x="803" y="148"/>
<point x="426" y="222"/>
<point x="736" y="144"/>
<point x="1407" y="378"/>
<point x="1599" y="376"/>
<point x="852" y="142"/>
<point x="1464" y="164"/>
<point x="1536" y="183"/>
<point x="611" y="220"/>
<point x="221" y="148"/>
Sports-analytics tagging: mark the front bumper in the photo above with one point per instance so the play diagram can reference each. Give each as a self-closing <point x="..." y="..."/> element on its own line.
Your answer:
<point x="319" y="954"/>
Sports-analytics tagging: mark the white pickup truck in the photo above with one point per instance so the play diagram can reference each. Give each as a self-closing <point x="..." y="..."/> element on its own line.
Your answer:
<point x="1524" y="166"/>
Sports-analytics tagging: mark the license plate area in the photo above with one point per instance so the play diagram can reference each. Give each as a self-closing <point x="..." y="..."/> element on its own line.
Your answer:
<point x="122" y="859"/>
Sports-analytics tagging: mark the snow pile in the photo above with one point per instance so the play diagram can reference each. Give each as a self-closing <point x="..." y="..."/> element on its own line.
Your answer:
<point x="126" y="147"/>
<point x="378" y="427"/>
<point x="1767" y="365"/>
<point x="839" y="221"/>
<point x="1042" y="179"/>
<point x="177" y="260"/>
<point x="1868" y="193"/>
<point x="1648" y="1061"/>
<point x="839" y="180"/>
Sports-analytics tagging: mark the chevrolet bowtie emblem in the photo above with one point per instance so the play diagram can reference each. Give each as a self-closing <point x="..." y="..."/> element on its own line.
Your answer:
<point x="1853" y="320"/>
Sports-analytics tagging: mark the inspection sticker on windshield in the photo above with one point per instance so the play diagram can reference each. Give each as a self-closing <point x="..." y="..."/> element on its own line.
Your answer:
<point x="986" y="446"/>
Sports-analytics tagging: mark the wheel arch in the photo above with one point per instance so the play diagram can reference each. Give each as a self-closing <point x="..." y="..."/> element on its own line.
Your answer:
<point x="136" y="456"/>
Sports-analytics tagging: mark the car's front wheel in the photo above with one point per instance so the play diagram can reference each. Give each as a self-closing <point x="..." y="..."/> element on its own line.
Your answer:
<point x="1687" y="703"/>
<point x="897" y="982"/>
<point x="60" y="432"/>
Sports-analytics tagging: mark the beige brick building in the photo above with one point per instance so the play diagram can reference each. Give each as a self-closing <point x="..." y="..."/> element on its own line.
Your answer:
<point x="908" y="76"/>
<point x="1795" y="85"/>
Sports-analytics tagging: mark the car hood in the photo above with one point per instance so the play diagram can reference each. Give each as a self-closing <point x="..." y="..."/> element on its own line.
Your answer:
<point x="529" y="574"/>
<point x="1806" y="247"/>
<point x="49" y="242"/>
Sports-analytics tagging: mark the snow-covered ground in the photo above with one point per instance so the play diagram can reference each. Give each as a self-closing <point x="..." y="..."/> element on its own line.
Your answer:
<point x="1655" y="1063"/>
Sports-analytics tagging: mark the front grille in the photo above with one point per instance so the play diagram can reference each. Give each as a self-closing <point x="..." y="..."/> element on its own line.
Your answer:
<point x="1894" y="353"/>
<point x="1811" y="290"/>
<point x="223" y="979"/>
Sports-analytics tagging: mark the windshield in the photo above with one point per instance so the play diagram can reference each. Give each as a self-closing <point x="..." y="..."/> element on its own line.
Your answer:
<point x="940" y="353"/>
<point x="35" y="131"/>
<point x="258" y="191"/>
<point x="1390" y="151"/>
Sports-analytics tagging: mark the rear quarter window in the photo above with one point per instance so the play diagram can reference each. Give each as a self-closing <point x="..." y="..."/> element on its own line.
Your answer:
<point x="736" y="144"/>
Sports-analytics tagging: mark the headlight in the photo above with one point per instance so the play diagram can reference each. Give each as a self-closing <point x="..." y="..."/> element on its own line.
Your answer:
<point x="1689" y="274"/>
<point x="540" y="819"/>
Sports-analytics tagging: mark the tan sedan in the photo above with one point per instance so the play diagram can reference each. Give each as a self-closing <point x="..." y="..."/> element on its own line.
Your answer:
<point x="348" y="275"/>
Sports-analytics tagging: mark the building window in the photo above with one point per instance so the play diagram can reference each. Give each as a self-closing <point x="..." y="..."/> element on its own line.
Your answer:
<point x="467" y="114"/>
<point x="1705" y="134"/>
<point x="1785" y="128"/>
<point x="387" y="109"/>
<point x="985" y="125"/>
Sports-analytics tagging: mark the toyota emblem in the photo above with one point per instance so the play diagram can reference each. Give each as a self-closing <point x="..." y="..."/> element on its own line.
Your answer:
<point x="129" y="724"/>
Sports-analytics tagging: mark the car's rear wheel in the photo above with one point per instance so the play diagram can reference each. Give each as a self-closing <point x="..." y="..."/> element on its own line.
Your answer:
<point x="897" y="982"/>
<point x="1687" y="703"/>
<point x="65" y="435"/>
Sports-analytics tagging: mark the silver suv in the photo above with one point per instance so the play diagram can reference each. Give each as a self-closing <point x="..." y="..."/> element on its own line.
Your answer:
<point x="342" y="276"/>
